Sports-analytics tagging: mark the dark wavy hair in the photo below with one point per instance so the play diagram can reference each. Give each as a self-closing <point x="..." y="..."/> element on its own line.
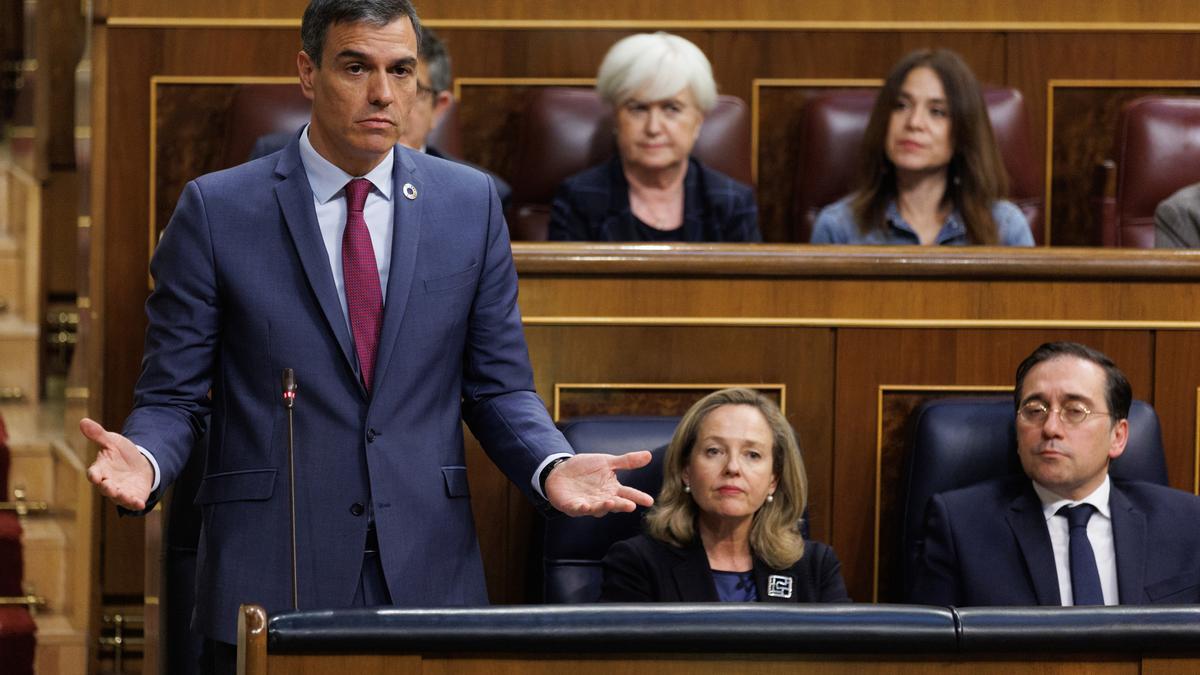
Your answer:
<point x="975" y="177"/>
<point x="321" y="14"/>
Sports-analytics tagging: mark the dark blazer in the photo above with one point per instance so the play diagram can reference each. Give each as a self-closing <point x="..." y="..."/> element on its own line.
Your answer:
<point x="988" y="545"/>
<point x="243" y="290"/>
<point x="273" y="142"/>
<point x="1177" y="219"/>
<point x="593" y="205"/>
<point x="644" y="569"/>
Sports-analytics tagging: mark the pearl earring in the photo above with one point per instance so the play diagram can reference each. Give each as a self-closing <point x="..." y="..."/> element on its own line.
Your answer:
<point x="687" y="488"/>
<point x="770" y="498"/>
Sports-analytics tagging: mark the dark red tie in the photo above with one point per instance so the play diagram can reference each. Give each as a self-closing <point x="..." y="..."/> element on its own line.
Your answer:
<point x="364" y="300"/>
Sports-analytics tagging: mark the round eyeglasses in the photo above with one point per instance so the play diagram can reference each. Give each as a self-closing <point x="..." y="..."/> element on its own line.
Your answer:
<point x="1073" y="413"/>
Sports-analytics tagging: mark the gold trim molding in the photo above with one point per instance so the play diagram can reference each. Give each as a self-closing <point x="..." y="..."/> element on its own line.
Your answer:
<point x="757" y="84"/>
<point x="898" y="388"/>
<point x="460" y="82"/>
<point x="851" y="322"/>
<point x="1196" y="449"/>
<point x="1051" y="85"/>
<point x="762" y="386"/>
<point x="155" y="81"/>
<point x="686" y="24"/>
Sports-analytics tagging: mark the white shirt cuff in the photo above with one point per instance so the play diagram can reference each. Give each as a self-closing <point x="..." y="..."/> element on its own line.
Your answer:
<point x="537" y="484"/>
<point x="153" y="463"/>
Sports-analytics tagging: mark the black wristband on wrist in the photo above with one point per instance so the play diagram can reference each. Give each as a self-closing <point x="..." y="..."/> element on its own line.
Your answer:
<point x="546" y="471"/>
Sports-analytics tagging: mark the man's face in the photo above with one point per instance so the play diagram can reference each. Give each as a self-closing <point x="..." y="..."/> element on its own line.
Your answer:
<point x="426" y="111"/>
<point x="361" y="93"/>
<point x="1069" y="460"/>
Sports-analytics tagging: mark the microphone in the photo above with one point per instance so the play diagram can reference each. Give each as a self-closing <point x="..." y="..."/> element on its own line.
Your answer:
<point x="289" y="402"/>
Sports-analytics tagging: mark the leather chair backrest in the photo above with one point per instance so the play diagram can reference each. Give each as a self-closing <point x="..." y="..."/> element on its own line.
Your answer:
<point x="831" y="130"/>
<point x="574" y="547"/>
<point x="259" y="110"/>
<point x="565" y="130"/>
<point x="1157" y="152"/>
<point x="961" y="441"/>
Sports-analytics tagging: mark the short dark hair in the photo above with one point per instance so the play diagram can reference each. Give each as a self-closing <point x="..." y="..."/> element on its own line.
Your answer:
<point x="321" y="14"/>
<point x="1118" y="394"/>
<point x="437" y="60"/>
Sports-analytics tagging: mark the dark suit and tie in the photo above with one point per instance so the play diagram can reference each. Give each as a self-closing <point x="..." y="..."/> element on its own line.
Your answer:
<point x="398" y="313"/>
<point x="243" y="290"/>
<point x="988" y="545"/>
<point x="1065" y="532"/>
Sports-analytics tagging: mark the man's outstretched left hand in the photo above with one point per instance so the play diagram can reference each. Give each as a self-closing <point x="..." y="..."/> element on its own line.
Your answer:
<point x="586" y="485"/>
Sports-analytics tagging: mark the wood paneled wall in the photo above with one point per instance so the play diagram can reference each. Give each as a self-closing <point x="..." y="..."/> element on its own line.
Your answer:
<point x="780" y="50"/>
<point x="857" y="340"/>
<point x="774" y="11"/>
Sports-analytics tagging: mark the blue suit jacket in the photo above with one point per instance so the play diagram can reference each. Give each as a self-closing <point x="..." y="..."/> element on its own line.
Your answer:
<point x="244" y="290"/>
<point x="988" y="545"/>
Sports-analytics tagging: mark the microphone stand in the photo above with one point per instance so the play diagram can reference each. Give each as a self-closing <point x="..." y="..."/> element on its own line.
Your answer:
<point x="289" y="402"/>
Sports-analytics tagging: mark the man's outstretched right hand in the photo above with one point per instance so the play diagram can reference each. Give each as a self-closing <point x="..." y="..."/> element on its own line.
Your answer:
<point x="122" y="473"/>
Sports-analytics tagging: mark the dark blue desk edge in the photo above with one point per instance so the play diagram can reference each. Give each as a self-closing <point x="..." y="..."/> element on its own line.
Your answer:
<point x="740" y="628"/>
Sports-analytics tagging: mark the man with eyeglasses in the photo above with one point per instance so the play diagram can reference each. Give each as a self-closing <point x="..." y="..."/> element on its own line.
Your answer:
<point x="1065" y="533"/>
<point x="433" y="102"/>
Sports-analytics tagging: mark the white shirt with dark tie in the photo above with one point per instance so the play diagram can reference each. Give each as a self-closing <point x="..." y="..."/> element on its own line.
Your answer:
<point x="1100" y="534"/>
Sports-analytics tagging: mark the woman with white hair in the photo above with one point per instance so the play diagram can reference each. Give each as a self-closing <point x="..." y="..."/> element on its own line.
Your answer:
<point x="660" y="87"/>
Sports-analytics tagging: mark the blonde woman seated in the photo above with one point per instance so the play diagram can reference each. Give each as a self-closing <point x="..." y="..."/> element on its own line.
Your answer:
<point x="660" y="87"/>
<point x="726" y="525"/>
<point x="931" y="172"/>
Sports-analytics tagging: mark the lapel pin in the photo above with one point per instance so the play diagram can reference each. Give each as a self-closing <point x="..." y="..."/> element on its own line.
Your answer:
<point x="779" y="586"/>
<point x="410" y="191"/>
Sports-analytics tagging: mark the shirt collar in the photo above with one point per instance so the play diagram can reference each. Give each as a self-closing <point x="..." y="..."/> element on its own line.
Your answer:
<point x="953" y="229"/>
<point x="327" y="180"/>
<point x="1052" y="502"/>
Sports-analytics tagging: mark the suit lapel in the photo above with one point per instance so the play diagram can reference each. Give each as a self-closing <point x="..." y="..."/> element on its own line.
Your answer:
<point x="693" y="579"/>
<point x="296" y="202"/>
<point x="1129" y="540"/>
<point x="784" y="591"/>
<point x="1029" y="526"/>
<point x="405" y="237"/>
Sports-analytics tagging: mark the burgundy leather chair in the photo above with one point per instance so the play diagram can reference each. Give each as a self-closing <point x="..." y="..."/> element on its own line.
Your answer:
<point x="17" y="629"/>
<point x="566" y="130"/>
<point x="259" y="110"/>
<point x="1157" y="152"/>
<point x="831" y="130"/>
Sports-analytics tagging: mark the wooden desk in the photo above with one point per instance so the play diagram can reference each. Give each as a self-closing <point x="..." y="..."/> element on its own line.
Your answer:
<point x="853" y="337"/>
<point x="721" y="638"/>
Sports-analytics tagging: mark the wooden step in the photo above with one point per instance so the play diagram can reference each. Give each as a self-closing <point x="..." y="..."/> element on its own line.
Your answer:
<point x="19" y="353"/>
<point x="45" y="554"/>
<point x="32" y="471"/>
<point x="61" y="647"/>
<point x="10" y="273"/>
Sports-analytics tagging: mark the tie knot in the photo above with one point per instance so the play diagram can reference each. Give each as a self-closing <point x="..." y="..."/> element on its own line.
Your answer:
<point x="356" y="194"/>
<point x="1078" y="516"/>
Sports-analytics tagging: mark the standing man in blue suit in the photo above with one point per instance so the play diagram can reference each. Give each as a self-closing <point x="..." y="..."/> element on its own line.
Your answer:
<point x="1065" y="533"/>
<point x="385" y="279"/>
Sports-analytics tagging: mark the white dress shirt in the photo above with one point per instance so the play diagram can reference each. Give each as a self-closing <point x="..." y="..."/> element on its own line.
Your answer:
<point x="328" y="184"/>
<point x="1100" y="534"/>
